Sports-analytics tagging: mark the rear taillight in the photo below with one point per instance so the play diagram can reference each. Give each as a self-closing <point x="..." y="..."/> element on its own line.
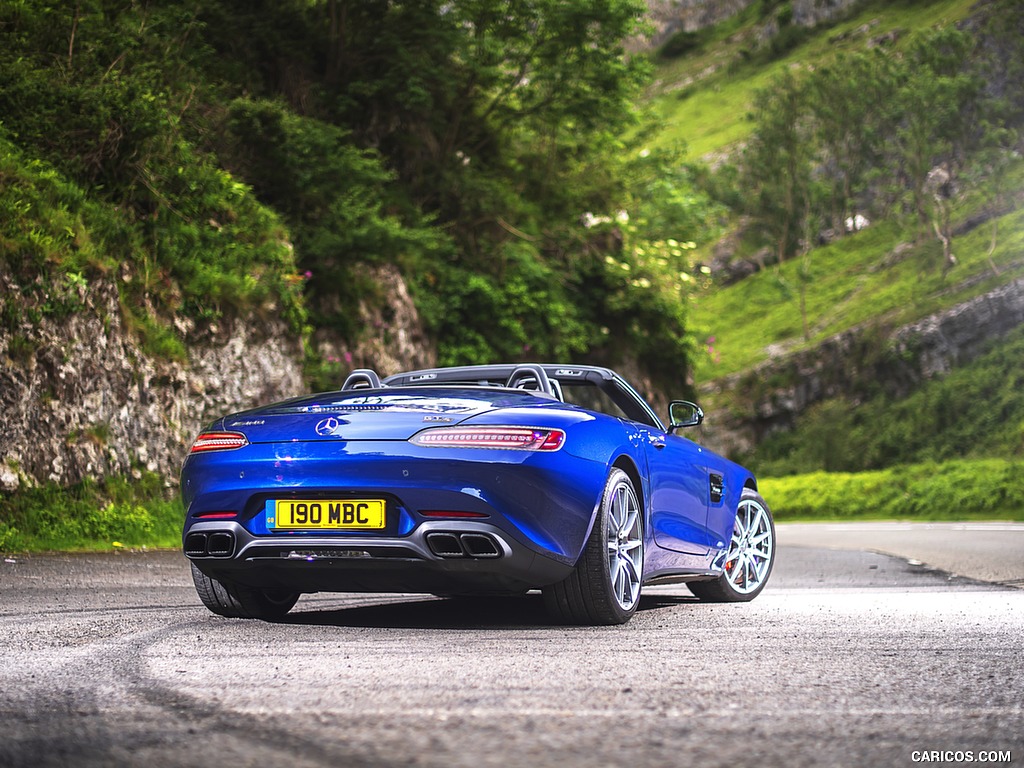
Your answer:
<point x="216" y="515"/>
<point x="514" y="438"/>
<point x="218" y="441"/>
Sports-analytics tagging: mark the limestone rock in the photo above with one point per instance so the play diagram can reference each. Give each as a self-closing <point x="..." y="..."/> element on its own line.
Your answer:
<point x="89" y="402"/>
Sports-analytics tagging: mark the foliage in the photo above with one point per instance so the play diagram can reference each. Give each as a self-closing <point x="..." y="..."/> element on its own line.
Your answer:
<point x="777" y="165"/>
<point x="49" y="231"/>
<point x="702" y="98"/>
<point x="459" y="140"/>
<point x="651" y="278"/>
<point x="975" y="411"/>
<point x="873" y="126"/>
<point x="845" y="97"/>
<point x="254" y="159"/>
<point x="937" y="101"/>
<point x="333" y="195"/>
<point x="953" y="490"/>
<point x="95" y="135"/>
<point x="113" y="512"/>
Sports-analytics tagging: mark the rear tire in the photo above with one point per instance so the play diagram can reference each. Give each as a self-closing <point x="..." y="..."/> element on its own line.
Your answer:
<point x="751" y="555"/>
<point x="604" y="587"/>
<point x="236" y="601"/>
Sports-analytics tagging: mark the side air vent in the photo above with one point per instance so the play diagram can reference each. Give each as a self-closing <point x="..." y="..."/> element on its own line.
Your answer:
<point x="717" y="488"/>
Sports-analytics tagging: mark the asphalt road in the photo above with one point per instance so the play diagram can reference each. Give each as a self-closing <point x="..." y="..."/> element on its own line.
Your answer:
<point x="848" y="658"/>
<point x="988" y="551"/>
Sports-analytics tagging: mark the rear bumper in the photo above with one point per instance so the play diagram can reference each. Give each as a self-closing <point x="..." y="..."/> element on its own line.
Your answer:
<point x="441" y="556"/>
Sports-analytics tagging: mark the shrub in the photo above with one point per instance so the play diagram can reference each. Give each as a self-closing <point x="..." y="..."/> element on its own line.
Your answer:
<point x="952" y="490"/>
<point x="91" y="515"/>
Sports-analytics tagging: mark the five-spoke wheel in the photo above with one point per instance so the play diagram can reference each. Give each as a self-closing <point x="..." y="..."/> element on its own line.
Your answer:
<point x="748" y="563"/>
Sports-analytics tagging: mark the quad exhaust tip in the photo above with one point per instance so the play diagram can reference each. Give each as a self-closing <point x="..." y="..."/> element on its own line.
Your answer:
<point x="471" y="545"/>
<point x="216" y="544"/>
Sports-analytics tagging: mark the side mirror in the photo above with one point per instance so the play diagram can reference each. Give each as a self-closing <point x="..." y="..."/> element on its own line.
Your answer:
<point x="682" y="413"/>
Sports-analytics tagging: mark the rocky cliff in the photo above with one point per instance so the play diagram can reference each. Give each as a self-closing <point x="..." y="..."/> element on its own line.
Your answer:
<point x="80" y="397"/>
<point x="855" y="364"/>
<point x="670" y="16"/>
<point x="667" y="17"/>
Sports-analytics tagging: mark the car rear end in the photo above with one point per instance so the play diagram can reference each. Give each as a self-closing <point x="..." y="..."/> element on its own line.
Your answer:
<point x="424" y="491"/>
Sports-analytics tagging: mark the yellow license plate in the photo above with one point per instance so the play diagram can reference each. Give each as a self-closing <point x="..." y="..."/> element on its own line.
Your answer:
<point x="326" y="514"/>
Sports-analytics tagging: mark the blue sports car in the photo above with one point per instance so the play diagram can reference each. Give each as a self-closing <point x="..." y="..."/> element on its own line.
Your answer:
<point x="495" y="479"/>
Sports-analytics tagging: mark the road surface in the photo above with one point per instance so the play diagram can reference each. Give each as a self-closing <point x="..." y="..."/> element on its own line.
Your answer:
<point x="849" y="658"/>
<point x="988" y="551"/>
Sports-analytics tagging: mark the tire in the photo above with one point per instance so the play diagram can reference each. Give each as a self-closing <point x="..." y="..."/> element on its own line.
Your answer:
<point x="751" y="556"/>
<point x="604" y="587"/>
<point x="236" y="601"/>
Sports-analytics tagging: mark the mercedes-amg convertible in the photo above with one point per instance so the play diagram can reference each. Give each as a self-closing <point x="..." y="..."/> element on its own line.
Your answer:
<point x="496" y="479"/>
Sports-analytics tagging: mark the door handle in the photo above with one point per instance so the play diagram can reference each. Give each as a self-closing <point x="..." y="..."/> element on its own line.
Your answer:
<point x="658" y="442"/>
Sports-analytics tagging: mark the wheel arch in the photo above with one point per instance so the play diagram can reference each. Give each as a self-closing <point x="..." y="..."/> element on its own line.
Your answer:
<point x="627" y="465"/>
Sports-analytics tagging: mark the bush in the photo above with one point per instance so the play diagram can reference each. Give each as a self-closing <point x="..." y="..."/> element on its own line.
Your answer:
<point x="953" y="490"/>
<point x="337" y="199"/>
<point x="100" y="175"/>
<point x="91" y="515"/>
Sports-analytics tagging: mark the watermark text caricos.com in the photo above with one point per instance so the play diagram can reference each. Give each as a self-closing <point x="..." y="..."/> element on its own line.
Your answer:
<point x="960" y="756"/>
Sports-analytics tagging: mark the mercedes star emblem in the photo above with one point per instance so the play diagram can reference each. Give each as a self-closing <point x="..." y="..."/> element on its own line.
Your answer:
<point x="327" y="427"/>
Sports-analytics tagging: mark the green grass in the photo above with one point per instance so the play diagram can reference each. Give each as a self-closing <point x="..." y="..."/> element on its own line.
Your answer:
<point x="850" y="283"/>
<point x="702" y="99"/>
<point x="92" y="516"/>
<point x="983" y="489"/>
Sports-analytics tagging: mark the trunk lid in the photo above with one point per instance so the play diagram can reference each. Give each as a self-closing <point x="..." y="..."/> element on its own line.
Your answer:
<point x="370" y="415"/>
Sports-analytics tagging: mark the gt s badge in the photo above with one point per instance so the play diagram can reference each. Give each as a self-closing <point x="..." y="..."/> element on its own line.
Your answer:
<point x="444" y="419"/>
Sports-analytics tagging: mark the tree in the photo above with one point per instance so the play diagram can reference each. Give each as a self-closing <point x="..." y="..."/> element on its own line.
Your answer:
<point x="496" y="122"/>
<point x="846" y="101"/>
<point x="777" y="164"/>
<point x="937" y="102"/>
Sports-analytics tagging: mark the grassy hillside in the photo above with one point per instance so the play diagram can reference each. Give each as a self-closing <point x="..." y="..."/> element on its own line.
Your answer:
<point x="844" y="458"/>
<point x="861" y="279"/>
<point x="702" y="99"/>
<point x="890" y="272"/>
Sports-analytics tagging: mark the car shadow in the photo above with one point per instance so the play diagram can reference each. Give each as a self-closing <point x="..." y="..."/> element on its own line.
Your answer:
<point x="500" y="612"/>
<point x="490" y="612"/>
<point x="654" y="602"/>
